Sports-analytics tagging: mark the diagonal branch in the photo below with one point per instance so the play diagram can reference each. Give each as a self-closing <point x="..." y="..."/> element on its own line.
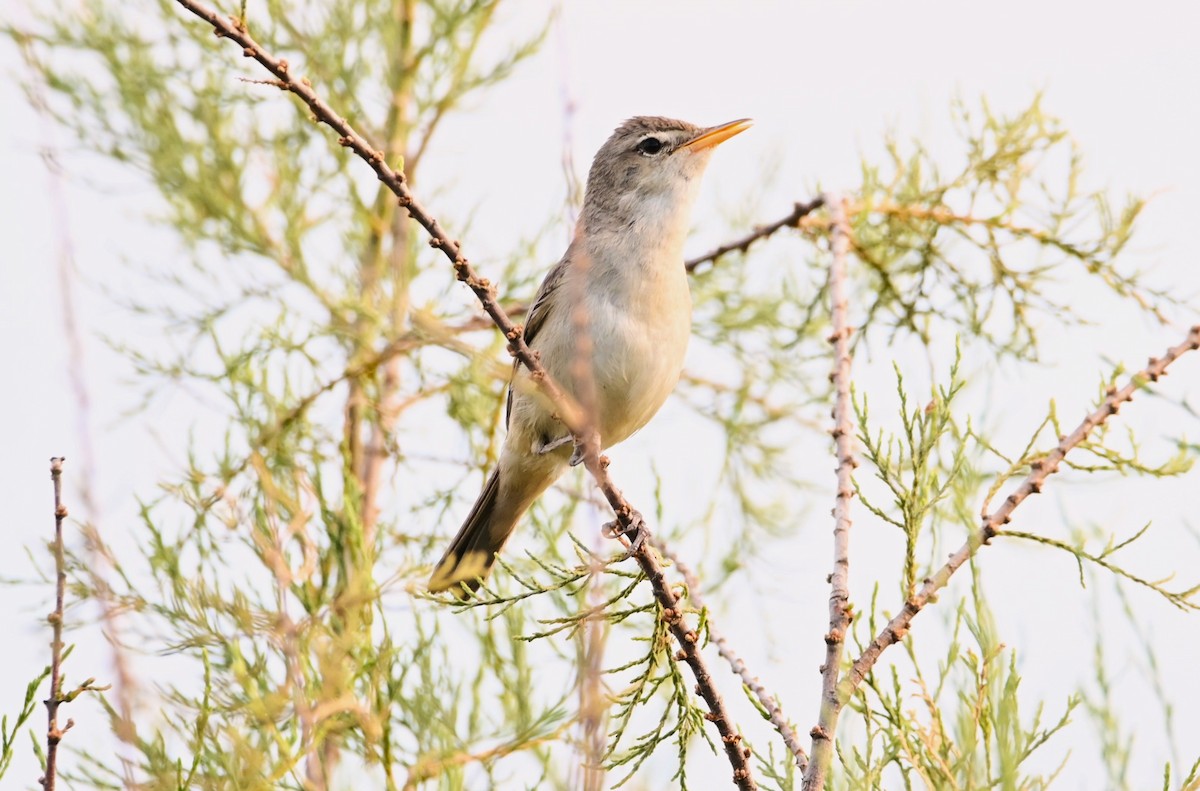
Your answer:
<point x="792" y="220"/>
<point x="235" y="29"/>
<point x="840" y="611"/>
<point x="765" y="699"/>
<point x="1039" y="470"/>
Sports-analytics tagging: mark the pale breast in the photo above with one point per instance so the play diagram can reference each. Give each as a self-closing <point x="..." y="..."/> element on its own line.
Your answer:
<point x="639" y="361"/>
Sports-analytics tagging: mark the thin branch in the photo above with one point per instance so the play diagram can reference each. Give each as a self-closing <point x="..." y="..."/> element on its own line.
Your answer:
<point x="765" y="699"/>
<point x="792" y="220"/>
<point x="944" y="217"/>
<point x="840" y="611"/>
<point x="1040" y="470"/>
<point x="594" y="699"/>
<point x="431" y="767"/>
<point x="53" y="734"/>
<point x="566" y="410"/>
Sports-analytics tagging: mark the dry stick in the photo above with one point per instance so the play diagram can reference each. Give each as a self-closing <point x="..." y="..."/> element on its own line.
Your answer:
<point x="765" y="698"/>
<point x="840" y="613"/>
<point x="593" y="700"/>
<point x="234" y="29"/>
<point x="53" y="734"/>
<point x="798" y="213"/>
<point x="1039" y="470"/>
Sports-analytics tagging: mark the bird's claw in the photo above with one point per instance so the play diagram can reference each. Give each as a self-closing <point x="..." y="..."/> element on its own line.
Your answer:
<point x="636" y="531"/>
<point x="553" y="445"/>
<point x="580" y="451"/>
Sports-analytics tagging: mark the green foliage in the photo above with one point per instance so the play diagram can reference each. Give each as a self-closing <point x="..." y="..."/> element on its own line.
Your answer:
<point x="9" y="735"/>
<point x="918" y="472"/>
<point x="982" y="251"/>
<point x="966" y="729"/>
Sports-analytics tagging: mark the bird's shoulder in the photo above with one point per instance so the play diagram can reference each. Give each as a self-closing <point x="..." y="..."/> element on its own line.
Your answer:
<point x="544" y="305"/>
<point x="548" y="299"/>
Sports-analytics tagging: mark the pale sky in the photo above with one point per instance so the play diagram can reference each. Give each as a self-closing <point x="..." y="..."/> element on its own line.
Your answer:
<point x="824" y="83"/>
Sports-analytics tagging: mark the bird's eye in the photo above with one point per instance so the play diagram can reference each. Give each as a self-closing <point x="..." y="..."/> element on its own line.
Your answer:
<point x="650" y="146"/>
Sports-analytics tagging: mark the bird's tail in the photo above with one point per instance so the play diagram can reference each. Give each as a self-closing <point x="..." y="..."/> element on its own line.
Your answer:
<point x="470" y="556"/>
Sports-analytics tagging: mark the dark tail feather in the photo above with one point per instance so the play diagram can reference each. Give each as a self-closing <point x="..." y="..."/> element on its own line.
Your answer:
<point x="473" y="551"/>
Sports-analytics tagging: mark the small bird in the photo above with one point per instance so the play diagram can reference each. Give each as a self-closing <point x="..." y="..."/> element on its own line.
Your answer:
<point x="624" y="270"/>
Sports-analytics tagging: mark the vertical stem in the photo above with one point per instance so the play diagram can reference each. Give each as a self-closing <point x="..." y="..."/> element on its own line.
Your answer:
<point x="53" y="734"/>
<point x="840" y="611"/>
<point x="593" y="702"/>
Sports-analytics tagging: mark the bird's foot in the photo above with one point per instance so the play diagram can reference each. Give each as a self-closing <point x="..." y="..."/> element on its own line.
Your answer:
<point x="636" y="531"/>
<point x="553" y="445"/>
<point x="580" y="451"/>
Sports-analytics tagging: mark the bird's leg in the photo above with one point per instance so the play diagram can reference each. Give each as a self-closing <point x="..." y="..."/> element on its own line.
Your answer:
<point x="577" y="455"/>
<point x="580" y="451"/>
<point x="553" y="445"/>
<point x="636" y="531"/>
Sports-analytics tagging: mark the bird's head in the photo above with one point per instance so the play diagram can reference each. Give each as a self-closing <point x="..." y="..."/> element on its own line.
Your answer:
<point x="649" y="170"/>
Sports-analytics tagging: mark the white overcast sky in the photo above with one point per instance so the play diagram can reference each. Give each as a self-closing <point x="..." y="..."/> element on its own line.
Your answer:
<point x="824" y="83"/>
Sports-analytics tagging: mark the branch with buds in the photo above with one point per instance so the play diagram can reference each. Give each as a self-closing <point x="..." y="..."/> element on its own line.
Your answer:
<point x="992" y="525"/>
<point x="794" y="219"/>
<point x="840" y="613"/>
<point x="54" y="734"/>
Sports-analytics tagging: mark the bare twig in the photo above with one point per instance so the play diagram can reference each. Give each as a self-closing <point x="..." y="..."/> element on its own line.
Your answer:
<point x="53" y="733"/>
<point x="1039" y="470"/>
<point x="840" y="611"/>
<point x="798" y="213"/>
<point x="764" y="697"/>
<point x="566" y="409"/>
<point x="430" y="767"/>
<point x="593" y="699"/>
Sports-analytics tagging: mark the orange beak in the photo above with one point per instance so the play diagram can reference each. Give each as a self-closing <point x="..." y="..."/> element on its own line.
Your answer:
<point x="715" y="135"/>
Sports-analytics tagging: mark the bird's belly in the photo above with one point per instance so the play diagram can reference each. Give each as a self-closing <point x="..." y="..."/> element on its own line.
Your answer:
<point x="638" y="366"/>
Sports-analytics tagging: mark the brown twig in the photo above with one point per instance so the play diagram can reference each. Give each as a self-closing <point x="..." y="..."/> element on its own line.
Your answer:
<point x="234" y="29"/>
<point x="1039" y="470"/>
<point x="53" y="734"/>
<point x="736" y="663"/>
<point x="798" y="213"/>
<point x="840" y="611"/>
